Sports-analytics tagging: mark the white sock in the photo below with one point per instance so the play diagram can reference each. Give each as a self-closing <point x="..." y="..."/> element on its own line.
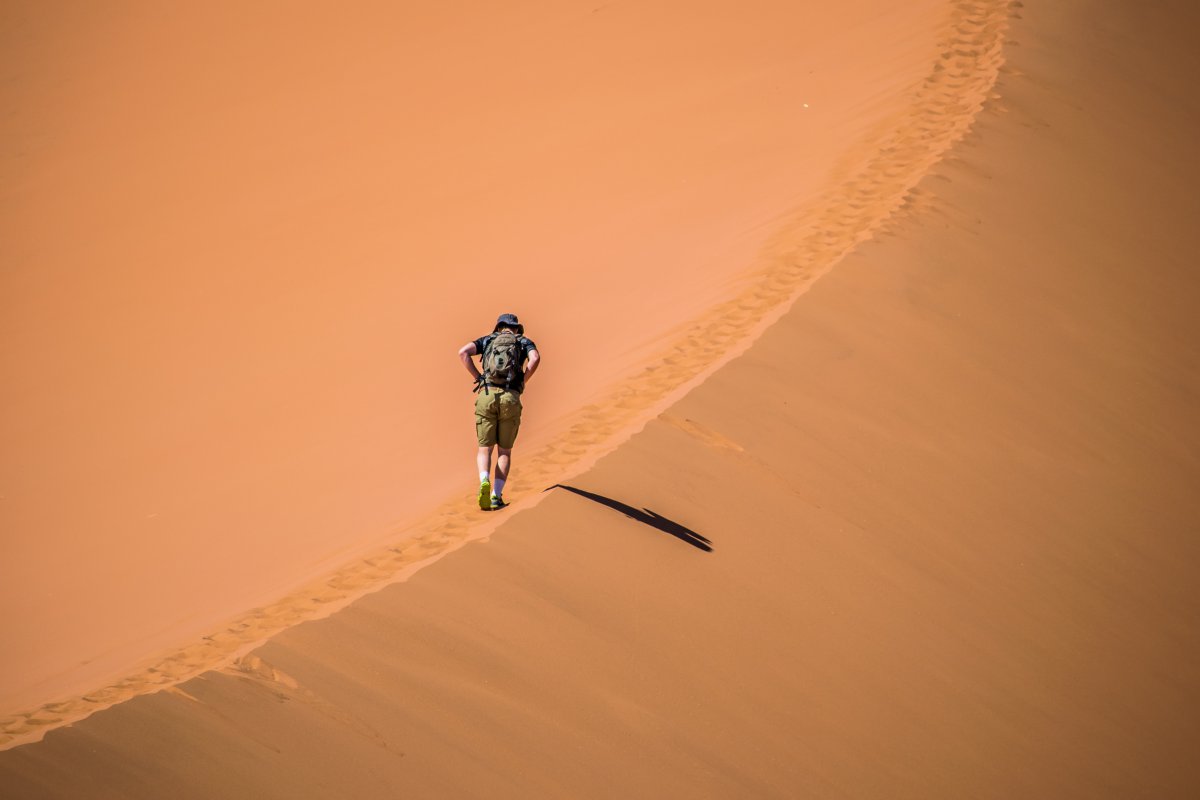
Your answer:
<point x="483" y="476"/>
<point x="498" y="487"/>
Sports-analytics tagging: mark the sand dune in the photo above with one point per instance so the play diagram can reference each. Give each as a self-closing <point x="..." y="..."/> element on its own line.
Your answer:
<point x="239" y="246"/>
<point x="882" y="167"/>
<point x="929" y="533"/>
<point x="232" y="377"/>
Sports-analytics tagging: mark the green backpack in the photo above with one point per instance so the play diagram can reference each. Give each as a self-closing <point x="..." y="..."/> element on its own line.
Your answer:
<point x="501" y="360"/>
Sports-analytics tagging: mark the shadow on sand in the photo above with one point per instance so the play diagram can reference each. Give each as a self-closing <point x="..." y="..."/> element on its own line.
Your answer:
<point x="645" y="516"/>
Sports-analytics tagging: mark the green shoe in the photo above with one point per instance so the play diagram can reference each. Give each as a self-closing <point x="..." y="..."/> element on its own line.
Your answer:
<point x="485" y="495"/>
<point x="498" y="503"/>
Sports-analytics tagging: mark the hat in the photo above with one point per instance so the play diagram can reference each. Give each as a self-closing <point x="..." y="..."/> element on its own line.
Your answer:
<point x="509" y="321"/>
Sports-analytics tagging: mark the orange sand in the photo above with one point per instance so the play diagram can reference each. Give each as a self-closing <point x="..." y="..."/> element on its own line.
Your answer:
<point x="949" y="498"/>
<point x="242" y="246"/>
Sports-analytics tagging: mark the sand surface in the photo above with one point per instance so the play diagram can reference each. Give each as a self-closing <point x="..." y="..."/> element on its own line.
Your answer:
<point x="242" y="245"/>
<point x="932" y="535"/>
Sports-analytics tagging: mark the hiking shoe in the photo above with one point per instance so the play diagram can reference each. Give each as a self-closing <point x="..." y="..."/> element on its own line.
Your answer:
<point x="498" y="503"/>
<point x="485" y="495"/>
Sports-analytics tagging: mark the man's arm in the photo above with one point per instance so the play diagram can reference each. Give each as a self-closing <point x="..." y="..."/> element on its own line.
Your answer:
<point x="532" y="364"/>
<point x="464" y="353"/>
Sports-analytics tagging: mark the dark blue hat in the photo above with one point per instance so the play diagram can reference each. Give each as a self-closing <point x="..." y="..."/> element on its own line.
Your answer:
<point x="509" y="321"/>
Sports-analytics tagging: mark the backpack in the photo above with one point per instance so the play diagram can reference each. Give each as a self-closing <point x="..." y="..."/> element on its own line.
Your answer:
<point x="501" y="360"/>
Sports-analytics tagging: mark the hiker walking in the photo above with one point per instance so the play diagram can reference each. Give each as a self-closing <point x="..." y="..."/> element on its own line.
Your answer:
<point x="507" y="360"/>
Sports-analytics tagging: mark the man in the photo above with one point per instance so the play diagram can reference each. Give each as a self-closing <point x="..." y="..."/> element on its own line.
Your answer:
<point x="507" y="361"/>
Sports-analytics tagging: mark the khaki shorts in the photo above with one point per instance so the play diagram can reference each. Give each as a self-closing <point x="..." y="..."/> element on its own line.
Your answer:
<point x="497" y="417"/>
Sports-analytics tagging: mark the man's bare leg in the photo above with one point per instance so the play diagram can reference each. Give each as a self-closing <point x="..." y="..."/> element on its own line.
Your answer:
<point x="483" y="460"/>
<point x="503" y="458"/>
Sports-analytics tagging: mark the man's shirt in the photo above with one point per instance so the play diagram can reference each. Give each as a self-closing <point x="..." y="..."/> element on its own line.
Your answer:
<point x="526" y="346"/>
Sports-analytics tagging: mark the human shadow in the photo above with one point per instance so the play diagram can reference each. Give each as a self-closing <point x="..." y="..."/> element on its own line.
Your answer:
<point x="645" y="516"/>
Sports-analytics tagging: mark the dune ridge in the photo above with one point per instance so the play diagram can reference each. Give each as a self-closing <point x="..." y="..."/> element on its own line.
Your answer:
<point x="881" y="171"/>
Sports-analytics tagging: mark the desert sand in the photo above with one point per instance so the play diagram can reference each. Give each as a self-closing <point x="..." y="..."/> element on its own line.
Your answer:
<point x="242" y="246"/>
<point x="910" y="513"/>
